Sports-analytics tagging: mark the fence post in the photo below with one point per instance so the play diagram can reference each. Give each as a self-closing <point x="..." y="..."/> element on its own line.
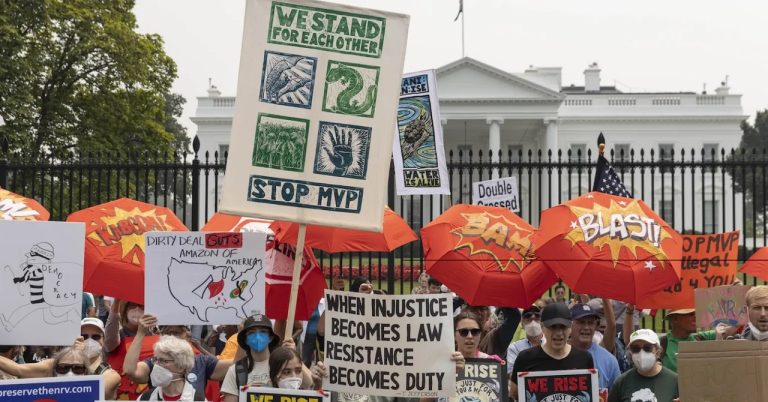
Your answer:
<point x="196" y="186"/>
<point x="391" y="254"/>
<point x="4" y="161"/>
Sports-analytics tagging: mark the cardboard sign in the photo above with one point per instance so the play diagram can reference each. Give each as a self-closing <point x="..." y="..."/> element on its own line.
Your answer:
<point x="53" y="389"/>
<point x="202" y="278"/>
<point x="389" y="345"/>
<point x="497" y="193"/>
<point x="41" y="282"/>
<point x="481" y="380"/>
<point x="312" y="133"/>
<point x="721" y="304"/>
<point x="418" y="151"/>
<point x="708" y="261"/>
<point x="266" y="394"/>
<point x="558" y="386"/>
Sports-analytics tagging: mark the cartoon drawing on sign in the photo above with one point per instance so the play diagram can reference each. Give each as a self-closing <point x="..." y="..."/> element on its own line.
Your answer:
<point x="417" y="135"/>
<point x="280" y="143"/>
<point x="201" y="286"/>
<point x="584" y="397"/>
<point x="342" y="150"/>
<point x="644" y="395"/>
<point x="45" y="283"/>
<point x="288" y="79"/>
<point x="351" y="89"/>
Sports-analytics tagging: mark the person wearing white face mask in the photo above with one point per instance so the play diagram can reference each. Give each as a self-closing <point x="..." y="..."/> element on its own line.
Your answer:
<point x="757" y="305"/>
<point x="173" y="359"/>
<point x="534" y="336"/>
<point x="286" y="369"/>
<point x="648" y="380"/>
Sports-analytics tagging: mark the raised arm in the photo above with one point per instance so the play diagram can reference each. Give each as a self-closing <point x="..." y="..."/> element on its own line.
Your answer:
<point x="138" y="371"/>
<point x="609" y="337"/>
<point x="112" y="328"/>
<point x="29" y="370"/>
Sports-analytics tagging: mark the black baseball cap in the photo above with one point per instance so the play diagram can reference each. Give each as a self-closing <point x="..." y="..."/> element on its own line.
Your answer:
<point x="257" y="321"/>
<point x="554" y="314"/>
<point x="583" y="310"/>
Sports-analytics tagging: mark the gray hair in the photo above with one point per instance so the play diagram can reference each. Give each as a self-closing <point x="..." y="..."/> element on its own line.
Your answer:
<point x="79" y="356"/>
<point x="178" y="349"/>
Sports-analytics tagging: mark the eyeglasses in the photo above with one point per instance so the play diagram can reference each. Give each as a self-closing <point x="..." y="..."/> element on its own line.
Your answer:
<point x="63" y="368"/>
<point x="162" y="362"/>
<point x="648" y="347"/>
<point x="95" y="337"/>
<point x="466" y="331"/>
<point x="530" y="315"/>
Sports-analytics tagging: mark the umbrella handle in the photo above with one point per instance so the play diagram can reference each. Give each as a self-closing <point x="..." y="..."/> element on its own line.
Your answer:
<point x="295" y="281"/>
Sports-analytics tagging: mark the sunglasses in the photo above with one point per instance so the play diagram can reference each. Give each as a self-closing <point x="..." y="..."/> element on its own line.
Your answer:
<point x="648" y="347"/>
<point x="162" y="362"/>
<point x="78" y="369"/>
<point x="95" y="337"/>
<point x="466" y="331"/>
<point x="531" y="315"/>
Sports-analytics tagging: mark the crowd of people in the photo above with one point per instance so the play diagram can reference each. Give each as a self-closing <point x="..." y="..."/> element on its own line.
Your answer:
<point x="140" y="360"/>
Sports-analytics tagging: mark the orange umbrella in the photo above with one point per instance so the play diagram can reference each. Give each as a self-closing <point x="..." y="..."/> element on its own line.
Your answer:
<point x="335" y="240"/>
<point x="114" y="245"/>
<point x="485" y="255"/>
<point x="610" y="246"/>
<point x="14" y="207"/>
<point x="757" y="264"/>
<point x="279" y="261"/>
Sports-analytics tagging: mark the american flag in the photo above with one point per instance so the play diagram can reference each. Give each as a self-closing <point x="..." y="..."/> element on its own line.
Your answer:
<point x="607" y="181"/>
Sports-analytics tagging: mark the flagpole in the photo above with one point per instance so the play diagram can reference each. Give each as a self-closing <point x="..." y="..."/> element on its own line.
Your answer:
<point x="295" y="281"/>
<point x="462" y="34"/>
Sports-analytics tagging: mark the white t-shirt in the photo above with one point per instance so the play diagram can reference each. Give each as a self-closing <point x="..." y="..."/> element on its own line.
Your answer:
<point x="258" y="377"/>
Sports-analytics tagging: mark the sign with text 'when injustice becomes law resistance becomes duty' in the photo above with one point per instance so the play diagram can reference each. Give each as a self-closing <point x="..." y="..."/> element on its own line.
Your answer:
<point x="316" y="100"/>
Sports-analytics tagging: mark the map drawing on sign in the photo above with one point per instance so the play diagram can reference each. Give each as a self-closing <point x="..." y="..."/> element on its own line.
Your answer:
<point x="417" y="134"/>
<point x="280" y="142"/>
<point x="342" y="150"/>
<point x="288" y="79"/>
<point x="200" y="286"/>
<point x="351" y="89"/>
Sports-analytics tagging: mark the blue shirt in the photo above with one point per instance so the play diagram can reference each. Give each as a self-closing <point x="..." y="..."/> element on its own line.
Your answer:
<point x="606" y="364"/>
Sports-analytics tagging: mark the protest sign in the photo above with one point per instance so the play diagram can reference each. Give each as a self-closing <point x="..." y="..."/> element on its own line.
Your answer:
<point x="53" y="389"/>
<point x="418" y="150"/>
<point x="389" y="345"/>
<point x="265" y="394"/>
<point x="41" y="282"/>
<point x="204" y="278"/>
<point x="558" y="386"/>
<point x="481" y="380"/>
<point x="312" y="132"/>
<point x="708" y="261"/>
<point x="497" y="193"/>
<point x="721" y="304"/>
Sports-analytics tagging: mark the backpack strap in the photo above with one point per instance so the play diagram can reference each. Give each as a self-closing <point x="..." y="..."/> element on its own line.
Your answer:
<point x="103" y="366"/>
<point x="241" y="373"/>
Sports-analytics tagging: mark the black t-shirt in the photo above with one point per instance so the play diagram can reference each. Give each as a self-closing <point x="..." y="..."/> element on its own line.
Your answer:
<point x="536" y="359"/>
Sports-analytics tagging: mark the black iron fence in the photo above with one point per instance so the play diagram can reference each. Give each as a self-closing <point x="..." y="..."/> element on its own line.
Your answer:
<point x="696" y="191"/>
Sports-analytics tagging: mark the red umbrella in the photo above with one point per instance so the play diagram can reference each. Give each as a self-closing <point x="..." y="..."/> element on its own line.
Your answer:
<point x="334" y="240"/>
<point x="14" y="207"/>
<point x="114" y="245"/>
<point x="485" y="255"/>
<point x="757" y="264"/>
<point x="279" y="262"/>
<point x="609" y="246"/>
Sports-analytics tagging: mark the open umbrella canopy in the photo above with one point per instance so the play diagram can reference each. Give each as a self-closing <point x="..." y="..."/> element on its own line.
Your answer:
<point x="15" y="207"/>
<point x="335" y="240"/>
<point x="609" y="246"/>
<point x="757" y="264"/>
<point x="114" y="245"/>
<point x="485" y="255"/>
<point x="279" y="265"/>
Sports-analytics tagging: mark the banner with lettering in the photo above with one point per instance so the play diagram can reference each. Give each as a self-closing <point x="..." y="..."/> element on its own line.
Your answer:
<point x="418" y="150"/>
<point x="481" y="380"/>
<point x="558" y="386"/>
<point x="312" y="132"/>
<point x="708" y="260"/>
<point x="266" y="394"/>
<point x="204" y="278"/>
<point x="497" y="193"/>
<point x="721" y="305"/>
<point x="389" y="345"/>
<point x="53" y="389"/>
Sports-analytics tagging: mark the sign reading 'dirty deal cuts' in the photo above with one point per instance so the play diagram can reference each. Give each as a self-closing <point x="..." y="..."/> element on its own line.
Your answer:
<point x="418" y="150"/>
<point x="497" y="193"/>
<point x="317" y="94"/>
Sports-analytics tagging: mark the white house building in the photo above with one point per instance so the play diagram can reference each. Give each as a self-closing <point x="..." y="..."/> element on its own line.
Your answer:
<point x="485" y="108"/>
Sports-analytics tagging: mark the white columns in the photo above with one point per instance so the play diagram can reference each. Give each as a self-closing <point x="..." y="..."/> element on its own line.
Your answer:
<point x="552" y="190"/>
<point x="494" y="142"/>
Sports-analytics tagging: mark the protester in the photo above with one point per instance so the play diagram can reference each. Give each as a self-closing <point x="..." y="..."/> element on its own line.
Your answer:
<point x="757" y="305"/>
<point x="173" y="361"/>
<point x="682" y="328"/>
<point x="360" y="284"/>
<point x="9" y="352"/>
<point x="286" y="369"/>
<point x="554" y="353"/>
<point x="534" y="335"/>
<point x="648" y="380"/>
<point x="582" y="336"/>
<point x="423" y="285"/>
<point x="69" y="362"/>
<point x="560" y="294"/>
<point x="607" y="335"/>
<point x="434" y="286"/>
<point x="123" y="322"/>
<point x="468" y="329"/>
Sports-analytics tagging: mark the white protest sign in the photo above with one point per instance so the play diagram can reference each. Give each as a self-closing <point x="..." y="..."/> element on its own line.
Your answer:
<point x="418" y="151"/>
<point x="41" y="282"/>
<point x="389" y="345"/>
<point x="194" y="278"/>
<point x="317" y="94"/>
<point x="497" y="193"/>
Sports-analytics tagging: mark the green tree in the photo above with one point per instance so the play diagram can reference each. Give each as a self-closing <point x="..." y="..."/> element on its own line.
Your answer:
<point x="76" y="76"/>
<point x="751" y="179"/>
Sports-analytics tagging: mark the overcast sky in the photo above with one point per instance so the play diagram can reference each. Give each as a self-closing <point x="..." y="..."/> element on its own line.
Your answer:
<point x="652" y="45"/>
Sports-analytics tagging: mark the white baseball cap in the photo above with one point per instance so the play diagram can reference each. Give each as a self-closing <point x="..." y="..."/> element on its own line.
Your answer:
<point x="93" y="321"/>
<point x="644" y="335"/>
